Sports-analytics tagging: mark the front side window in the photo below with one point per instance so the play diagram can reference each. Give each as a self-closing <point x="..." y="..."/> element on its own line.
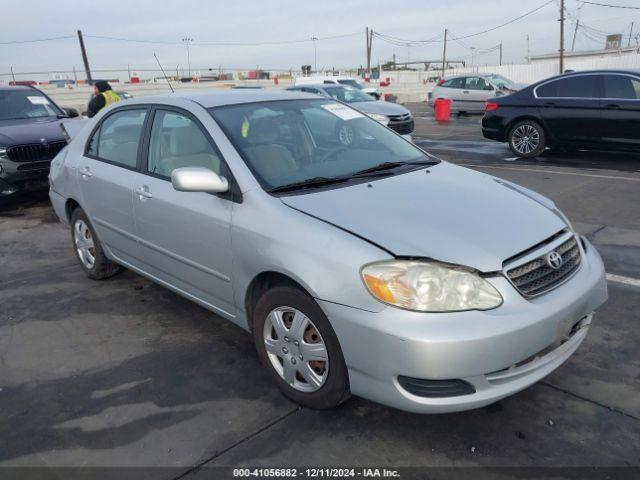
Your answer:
<point x="476" y="83"/>
<point x="292" y="141"/>
<point x="177" y="141"/>
<point x="118" y="137"/>
<point x="580" y="86"/>
<point x="621" y="87"/>
<point x="21" y="104"/>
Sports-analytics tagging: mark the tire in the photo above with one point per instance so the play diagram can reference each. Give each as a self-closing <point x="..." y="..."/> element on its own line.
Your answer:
<point x="291" y="351"/>
<point x="90" y="255"/>
<point x="527" y="139"/>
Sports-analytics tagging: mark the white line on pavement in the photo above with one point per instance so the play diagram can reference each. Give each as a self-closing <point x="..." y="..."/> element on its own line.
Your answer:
<point x="558" y="172"/>
<point x="612" y="277"/>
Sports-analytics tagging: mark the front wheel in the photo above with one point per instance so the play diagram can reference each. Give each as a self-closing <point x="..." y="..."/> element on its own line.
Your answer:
<point x="297" y="345"/>
<point x="526" y="139"/>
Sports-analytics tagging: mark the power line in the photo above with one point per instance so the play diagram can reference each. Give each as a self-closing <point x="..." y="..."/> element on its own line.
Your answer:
<point x="15" y="42"/>
<point x="609" y="5"/>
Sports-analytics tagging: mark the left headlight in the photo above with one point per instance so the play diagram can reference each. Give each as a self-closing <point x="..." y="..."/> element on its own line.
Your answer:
<point x="383" y="119"/>
<point x="429" y="286"/>
<point x="3" y="152"/>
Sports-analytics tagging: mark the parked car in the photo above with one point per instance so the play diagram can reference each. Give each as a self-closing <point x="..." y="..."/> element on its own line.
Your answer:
<point x="396" y="117"/>
<point x="360" y="263"/>
<point x="337" y="80"/>
<point x="30" y="136"/>
<point x="596" y="110"/>
<point x="468" y="93"/>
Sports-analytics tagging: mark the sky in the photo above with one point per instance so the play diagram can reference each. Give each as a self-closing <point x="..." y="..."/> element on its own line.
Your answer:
<point x="259" y="21"/>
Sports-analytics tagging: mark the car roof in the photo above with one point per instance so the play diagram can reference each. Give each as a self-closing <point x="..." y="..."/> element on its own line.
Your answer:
<point x="216" y="97"/>
<point x="321" y="85"/>
<point x="18" y="87"/>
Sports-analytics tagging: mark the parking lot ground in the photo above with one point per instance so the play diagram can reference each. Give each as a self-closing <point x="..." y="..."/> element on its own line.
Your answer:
<point x="124" y="372"/>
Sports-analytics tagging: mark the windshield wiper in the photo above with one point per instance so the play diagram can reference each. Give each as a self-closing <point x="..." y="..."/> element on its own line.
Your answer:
<point x="308" y="183"/>
<point x="389" y="166"/>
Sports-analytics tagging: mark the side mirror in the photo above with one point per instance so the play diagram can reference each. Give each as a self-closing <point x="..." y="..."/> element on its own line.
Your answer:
<point x="71" y="112"/>
<point x="198" y="179"/>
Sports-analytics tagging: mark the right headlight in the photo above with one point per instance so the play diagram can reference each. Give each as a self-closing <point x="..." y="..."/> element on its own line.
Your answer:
<point x="429" y="286"/>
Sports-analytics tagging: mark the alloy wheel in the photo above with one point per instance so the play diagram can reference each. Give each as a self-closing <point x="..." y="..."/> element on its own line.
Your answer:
<point x="296" y="349"/>
<point x="84" y="244"/>
<point x="525" y="139"/>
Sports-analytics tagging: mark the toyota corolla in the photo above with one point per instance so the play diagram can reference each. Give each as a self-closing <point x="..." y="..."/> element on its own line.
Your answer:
<point x="359" y="263"/>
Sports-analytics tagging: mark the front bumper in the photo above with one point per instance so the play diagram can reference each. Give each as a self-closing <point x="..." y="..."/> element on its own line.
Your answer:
<point x="489" y="350"/>
<point x="23" y="176"/>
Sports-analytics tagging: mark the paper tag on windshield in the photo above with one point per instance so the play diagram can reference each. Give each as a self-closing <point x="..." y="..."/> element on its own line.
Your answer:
<point x="342" y="112"/>
<point x="38" y="100"/>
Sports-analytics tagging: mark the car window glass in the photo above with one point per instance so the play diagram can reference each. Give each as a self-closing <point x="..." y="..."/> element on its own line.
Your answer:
<point x="120" y="137"/>
<point x="475" y="83"/>
<point x="621" y="87"/>
<point x="581" y="86"/>
<point x="454" y="83"/>
<point x="92" y="146"/>
<point x="25" y="103"/>
<point x="177" y="141"/>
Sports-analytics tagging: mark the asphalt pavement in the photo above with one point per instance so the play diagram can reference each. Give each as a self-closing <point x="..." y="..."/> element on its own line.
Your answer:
<point x="124" y="372"/>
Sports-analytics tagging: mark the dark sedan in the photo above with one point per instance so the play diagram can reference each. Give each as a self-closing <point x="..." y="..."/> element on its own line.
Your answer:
<point x="30" y="136"/>
<point x="595" y="110"/>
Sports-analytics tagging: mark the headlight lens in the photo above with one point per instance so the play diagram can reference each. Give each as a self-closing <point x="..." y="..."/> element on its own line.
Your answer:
<point x="383" y="119"/>
<point x="429" y="286"/>
<point x="3" y="152"/>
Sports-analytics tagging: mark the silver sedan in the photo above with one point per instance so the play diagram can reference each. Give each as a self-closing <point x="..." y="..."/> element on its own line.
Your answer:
<point x="359" y="263"/>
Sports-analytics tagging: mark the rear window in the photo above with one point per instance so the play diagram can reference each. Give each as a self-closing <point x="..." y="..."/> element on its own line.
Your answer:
<point x="454" y="83"/>
<point x="621" y="87"/>
<point x="581" y="86"/>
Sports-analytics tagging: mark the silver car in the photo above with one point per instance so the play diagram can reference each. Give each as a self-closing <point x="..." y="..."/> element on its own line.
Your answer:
<point x="392" y="115"/>
<point x="359" y="263"/>
<point x="469" y="93"/>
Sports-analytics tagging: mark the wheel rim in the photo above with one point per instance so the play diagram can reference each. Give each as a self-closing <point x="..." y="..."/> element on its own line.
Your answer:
<point x="84" y="244"/>
<point x="296" y="349"/>
<point x="525" y="139"/>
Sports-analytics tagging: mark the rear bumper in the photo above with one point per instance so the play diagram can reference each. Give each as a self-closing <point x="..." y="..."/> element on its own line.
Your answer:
<point x="58" y="203"/>
<point x="489" y="350"/>
<point x="493" y="134"/>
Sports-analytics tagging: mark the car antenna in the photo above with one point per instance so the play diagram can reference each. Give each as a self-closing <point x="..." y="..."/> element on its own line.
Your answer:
<point x="164" y="74"/>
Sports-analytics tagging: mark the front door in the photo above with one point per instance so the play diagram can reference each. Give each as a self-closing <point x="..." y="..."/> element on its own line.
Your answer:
<point x="476" y="93"/>
<point x="621" y="111"/>
<point x="106" y="174"/>
<point x="185" y="237"/>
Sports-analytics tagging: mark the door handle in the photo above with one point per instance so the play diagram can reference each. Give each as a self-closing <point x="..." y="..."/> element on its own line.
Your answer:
<point x="86" y="173"/>
<point x="612" y="106"/>
<point x="143" y="192"/>
<point x="465" y="91"/>
<point x="549" y="105"/>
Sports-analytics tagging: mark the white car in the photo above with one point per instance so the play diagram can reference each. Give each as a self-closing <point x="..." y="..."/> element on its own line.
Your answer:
<point x="337" y="80"/>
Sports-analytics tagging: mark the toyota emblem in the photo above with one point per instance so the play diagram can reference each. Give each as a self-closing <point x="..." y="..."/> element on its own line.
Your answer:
<point x="554" y="260"/>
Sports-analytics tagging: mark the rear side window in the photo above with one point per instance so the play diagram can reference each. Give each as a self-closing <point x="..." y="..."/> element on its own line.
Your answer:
<point x="581" y="86"/>
<point x="454" y="83"/>
<point x="621" y="87"/>
<point x="476" y="83"/>
<point x="118" y="137"/>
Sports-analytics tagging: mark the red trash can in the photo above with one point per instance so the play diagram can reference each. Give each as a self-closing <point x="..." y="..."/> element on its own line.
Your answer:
<point x="442" y="109"/>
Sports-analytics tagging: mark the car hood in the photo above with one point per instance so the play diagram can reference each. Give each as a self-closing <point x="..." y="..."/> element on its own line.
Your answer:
<point x="381" y="107"/>
<point x="446" y="213"/>
<point x="17" y="132"/>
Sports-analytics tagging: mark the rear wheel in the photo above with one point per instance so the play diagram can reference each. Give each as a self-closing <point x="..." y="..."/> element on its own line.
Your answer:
<point x="88" y="248"/>
<point x="526" y="139"/>
<point x="296" y="343"/>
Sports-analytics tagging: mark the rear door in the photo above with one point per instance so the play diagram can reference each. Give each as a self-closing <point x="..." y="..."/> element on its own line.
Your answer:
<point x="106" y="175"/>
<point x="453" y="89"/>
<point x="570" y="109"/>
<point x="185" y="237"/>
<point x="621" y="111"/>
<point x="476" y="92"/>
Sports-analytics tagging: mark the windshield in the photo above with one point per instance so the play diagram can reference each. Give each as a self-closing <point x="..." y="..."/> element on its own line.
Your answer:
<point x="21" y="104"/>
<point x="348" y="94"/>
<point x="500" y="81"/>
<point x="351" y="82"/>
<point x="286" y="142"/>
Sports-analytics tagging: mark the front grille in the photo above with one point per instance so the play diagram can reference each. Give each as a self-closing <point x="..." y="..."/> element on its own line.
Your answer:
<point x="35" y="152"/>
<point x="404" y="128"/>
<point x="537" y="276"/>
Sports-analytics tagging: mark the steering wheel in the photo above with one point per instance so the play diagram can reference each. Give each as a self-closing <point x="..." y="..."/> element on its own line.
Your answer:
<point x="332" y="153"/>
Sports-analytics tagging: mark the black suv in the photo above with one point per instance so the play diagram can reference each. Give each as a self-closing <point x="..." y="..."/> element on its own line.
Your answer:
<point x="30" y="136"/>
<point x="595" y="110"/>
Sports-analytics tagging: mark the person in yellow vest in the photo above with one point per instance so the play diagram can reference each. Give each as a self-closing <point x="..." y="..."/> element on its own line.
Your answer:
<point x="103" y="97"/>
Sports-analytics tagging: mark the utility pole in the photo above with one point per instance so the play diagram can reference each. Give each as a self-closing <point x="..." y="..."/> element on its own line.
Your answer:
<point x="315" y="54"/>
<point x="187" y="41"/>
<point x="575" y="33"/>
<point x="528" y="49"/>
<point x="85" y="60"/>
<point x="630" y="32"/>
<point x="561" y="36"/>
<point x="444" y="52"/>
<point x="369" y="39"/>
<point x="500" y="53"/>
<point x="13" y="76"/>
